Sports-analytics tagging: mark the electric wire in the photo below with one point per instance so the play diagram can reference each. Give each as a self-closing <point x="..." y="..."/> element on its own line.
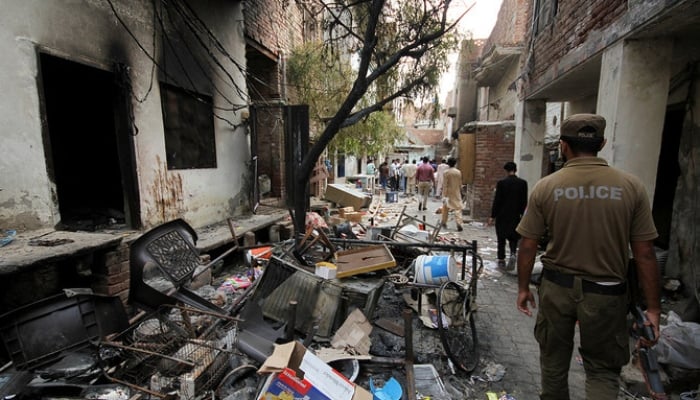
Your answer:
<point x="153" y="66"/>
<point x="161" y="67"/>
<point x="196" y="26"/>
<point x="201" y="26"/>
<point x="235" y="106"/>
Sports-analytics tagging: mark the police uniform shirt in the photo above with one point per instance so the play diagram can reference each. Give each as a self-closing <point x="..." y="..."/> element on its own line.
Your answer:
<point x="592" y="212"/>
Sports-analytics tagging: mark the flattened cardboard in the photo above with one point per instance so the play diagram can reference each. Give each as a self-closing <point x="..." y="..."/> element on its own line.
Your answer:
<point x="354" y="333"/>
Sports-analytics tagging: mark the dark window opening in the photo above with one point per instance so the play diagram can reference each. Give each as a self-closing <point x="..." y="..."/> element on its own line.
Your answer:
<point x="341" y="165"/>
<point x="189" y="129"/>
<point x="81" y="144"/>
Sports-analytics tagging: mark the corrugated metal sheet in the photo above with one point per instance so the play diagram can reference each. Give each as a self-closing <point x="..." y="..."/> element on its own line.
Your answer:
<point x="317" y="299"/>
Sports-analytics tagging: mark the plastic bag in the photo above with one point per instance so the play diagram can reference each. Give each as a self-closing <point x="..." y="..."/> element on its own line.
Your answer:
<point x="679" y="343"/>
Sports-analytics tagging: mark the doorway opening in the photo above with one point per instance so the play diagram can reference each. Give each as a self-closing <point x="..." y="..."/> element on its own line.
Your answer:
<point x="82" y="146"/>
<point x="668" y="171"/>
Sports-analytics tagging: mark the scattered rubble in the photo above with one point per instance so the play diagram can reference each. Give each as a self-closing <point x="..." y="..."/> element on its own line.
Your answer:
<point x="346" y="296"/>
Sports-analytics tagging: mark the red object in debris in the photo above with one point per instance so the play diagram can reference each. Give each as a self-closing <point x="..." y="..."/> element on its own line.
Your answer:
<point x="253" y="256"/>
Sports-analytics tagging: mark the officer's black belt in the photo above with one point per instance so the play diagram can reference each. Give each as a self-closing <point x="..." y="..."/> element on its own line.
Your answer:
<point x="567" y="280"/>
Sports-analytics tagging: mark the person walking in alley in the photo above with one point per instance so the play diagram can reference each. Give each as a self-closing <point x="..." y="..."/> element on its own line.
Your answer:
<point x="425" y="176"/>
<point x="384" y="174"/>
<point x="371" y="171"/>
<point x="440" y="172"/>
<point x="451" y="194"/>
<point x="593" y="214"/>
<point x="508" y="207"/>
<point x="394" y="175"/>
<point x="409" y="170"/>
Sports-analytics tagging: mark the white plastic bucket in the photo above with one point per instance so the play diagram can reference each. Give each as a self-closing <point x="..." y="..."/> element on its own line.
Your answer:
<point x="435" y="269"/>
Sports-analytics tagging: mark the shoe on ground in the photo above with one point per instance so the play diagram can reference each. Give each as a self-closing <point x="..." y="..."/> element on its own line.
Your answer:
<point x="420" y="207"/>
<point x="443" y="226"/>
<point x="460" y="229"/>
<point x="511" y="263"/>
<point x="501" y="263"/>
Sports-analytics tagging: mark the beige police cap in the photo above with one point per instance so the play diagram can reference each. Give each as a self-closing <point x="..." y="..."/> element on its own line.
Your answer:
<point x="575" y="124"/>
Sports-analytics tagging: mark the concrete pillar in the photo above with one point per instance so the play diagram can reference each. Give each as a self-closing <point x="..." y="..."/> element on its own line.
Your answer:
<point x="530" y="128"/>
<point x="632" y="96"/>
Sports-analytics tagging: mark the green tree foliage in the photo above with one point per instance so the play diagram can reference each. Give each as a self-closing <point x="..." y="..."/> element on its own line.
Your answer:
<point x="377" y="133"/>
<point x="401" y="50"/>
<point x="321" y="80"/>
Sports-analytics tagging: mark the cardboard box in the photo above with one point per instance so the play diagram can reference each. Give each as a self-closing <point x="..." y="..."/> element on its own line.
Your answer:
<point x="318" y="377"/>
<point x="347" y="197"/>
<point x="286" y="385"/>
<point x="345" y="210"/>
<point x="354" y="216"/>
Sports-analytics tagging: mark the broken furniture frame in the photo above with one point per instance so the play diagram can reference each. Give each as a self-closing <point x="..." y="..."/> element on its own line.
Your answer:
<point x="456" y="300"/>
<point x="312" y="237"/>
<point x="465" y="250"/>
<point x="405" y="219"/>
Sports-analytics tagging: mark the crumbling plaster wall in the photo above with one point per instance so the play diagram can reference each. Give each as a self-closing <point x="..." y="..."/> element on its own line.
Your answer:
<point x="87" y="32"/>
<point x="503" y="97"/>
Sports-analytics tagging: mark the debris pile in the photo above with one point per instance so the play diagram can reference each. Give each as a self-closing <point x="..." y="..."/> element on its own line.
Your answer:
<point x="342" y="300"/>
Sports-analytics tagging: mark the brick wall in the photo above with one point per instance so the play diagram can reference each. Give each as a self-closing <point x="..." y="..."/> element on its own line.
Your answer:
<point x="271" y="160"/>
<point x="495" y="145"/>
<point x="110" y="272"/>
<point x="511" y="25"/>
<point x="106" y="272"/>
<point x="275" y="27"/>
<point x="570" y="27"/>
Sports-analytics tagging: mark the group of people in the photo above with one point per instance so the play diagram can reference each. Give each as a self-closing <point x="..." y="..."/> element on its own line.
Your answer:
<point x="400" y="175"/>
<point x="593" y="217"/>
<point x="425" y="178"/>
<point x="395" y="176"/>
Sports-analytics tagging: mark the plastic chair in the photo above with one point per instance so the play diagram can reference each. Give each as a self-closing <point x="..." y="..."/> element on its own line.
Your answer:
<point x="171" y="247"/>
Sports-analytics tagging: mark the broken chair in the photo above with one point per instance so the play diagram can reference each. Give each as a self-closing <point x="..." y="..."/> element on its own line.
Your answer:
<point x="171" y="248"/>
<point x="399" y="232"/>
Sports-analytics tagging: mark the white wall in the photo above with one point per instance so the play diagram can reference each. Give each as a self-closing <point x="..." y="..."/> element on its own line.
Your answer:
<point x="88" y="32"/>
<point x="632" y="96"/>
<point x="503" y="94"/>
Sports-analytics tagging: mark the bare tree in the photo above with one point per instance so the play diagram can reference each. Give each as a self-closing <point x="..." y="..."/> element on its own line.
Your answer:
<point x="401" y="47"/>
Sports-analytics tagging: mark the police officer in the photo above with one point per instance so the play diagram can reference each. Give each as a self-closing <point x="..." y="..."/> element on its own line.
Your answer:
<point x="593" y="213"/>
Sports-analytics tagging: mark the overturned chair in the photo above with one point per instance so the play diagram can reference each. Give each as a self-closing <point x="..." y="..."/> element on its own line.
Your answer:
<point x="171" y="249"/>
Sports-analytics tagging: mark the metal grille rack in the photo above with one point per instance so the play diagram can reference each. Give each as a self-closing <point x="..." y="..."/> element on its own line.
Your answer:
<point x="177" y="352"/>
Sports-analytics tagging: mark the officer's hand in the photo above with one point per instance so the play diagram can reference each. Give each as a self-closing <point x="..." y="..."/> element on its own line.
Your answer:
<point x="525" y="297"/>
<point x="489" y="222"/>
<point x="653" y="318"/>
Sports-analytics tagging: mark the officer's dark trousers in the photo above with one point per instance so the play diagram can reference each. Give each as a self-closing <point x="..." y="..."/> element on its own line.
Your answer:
<point x="602" y="322"/>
